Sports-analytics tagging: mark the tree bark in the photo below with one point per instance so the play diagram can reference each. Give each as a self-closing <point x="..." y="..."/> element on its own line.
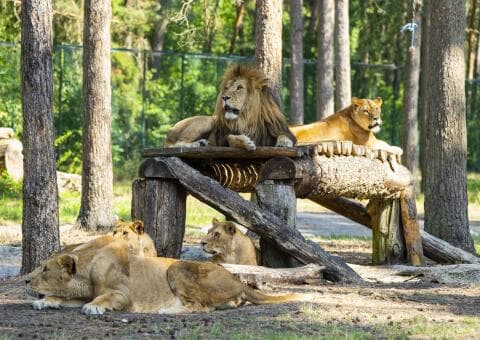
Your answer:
<point x="296" y="72"/>
<point x="237" y="27"/>
<point x="325" y="65"/>
<point x="40" y="234"/>
<point x="268" y="43"/>
<point x="312" y="23"/>
<point x="425" y="55"/>
<point x="343" y="87"/>
<point x="410" y="103"/>
<point x="96" y="210"/>
<point x="471" y="39"/>
<point x="446" y="214"/>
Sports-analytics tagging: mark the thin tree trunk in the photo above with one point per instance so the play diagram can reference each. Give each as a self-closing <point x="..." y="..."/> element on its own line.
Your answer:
<point x="343" y="88"/>
<point x="446" y="214"/>
<point x="313" y="16"/>
<point x="240" y="5"/>
<point x="471" y="39"/>
<point x="210" y="23"/>
<point x="268" y="43"/>
<point x="40" y="236"/>
<point x="325" y="47"/>
<point x="410" y="103"/>
<point x="296" y="73"/>
<point x="97" y="178"/>
<point x="425" y="55"/>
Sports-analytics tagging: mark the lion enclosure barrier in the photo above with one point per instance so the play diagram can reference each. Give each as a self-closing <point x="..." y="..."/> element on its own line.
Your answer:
<point x="330" y="174"/>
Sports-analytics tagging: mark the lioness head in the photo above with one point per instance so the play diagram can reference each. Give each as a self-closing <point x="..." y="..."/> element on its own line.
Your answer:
<point x="139" y="243"/>
<point x="55" y="276"/>
<point x="219" y="237"/>
<point x="366" y="113"/>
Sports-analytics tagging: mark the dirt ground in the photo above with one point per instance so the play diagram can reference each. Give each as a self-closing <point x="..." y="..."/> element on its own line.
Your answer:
<point x="403" y="308"/>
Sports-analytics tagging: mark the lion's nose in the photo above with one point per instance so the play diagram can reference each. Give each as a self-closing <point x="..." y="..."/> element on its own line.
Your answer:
<point x="27" y="282"/>
<point x="225" y="98"/>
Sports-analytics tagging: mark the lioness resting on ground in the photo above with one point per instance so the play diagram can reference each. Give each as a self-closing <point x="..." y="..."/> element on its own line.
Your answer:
<point x="139" y="243"/>
<point x="357" y="123"/>
<point x="246" y="116"/>
<point x="110" y="278"/>
<point x="228" y="244"/>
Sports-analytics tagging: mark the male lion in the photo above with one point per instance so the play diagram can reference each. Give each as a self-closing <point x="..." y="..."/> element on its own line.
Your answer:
<point x="357" y="123"/>
<point x="139" y="243"/>
<point x="110" y="278"/>
<point x="246" y="116"/>
<point x="228" y="244"/>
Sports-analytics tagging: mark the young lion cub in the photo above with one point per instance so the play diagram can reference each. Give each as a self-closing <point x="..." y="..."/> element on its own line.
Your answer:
<point x="228" y="244"/>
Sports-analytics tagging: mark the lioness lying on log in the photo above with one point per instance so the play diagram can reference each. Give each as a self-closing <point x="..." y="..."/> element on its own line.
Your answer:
<point x="139" y="243"/>
<point x="246" y="116"/>
<point x="228" y="244"/>
<point x="110" y="278"/>
<point x="357" y="123"/>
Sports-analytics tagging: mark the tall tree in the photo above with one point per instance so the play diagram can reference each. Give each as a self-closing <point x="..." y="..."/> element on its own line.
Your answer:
<point x="410" y="98"/>
<point x="446" y="214"/>
<point x="296" y="73"/>
<point x="471" y="39"/>
<point x="40" y="236"/>
<point x="343" y="86"/>
<point x="97" y="177"/>
<point x="268" y="42"/>
<point x="238" y="25"/>
<point x="325" y="48"/>
<point x="424" y="57"/>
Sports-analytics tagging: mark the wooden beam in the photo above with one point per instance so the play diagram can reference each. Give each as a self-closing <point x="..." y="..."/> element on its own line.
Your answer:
<point x="260" y="221"/>
<point x="352" y="210"/>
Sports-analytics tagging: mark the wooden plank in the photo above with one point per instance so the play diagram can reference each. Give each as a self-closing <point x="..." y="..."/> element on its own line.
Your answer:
<point x="262" y="222"/>
<point x="411" y="229"/>
<point x="353" y="210"/>
<point x="214" y="152"/>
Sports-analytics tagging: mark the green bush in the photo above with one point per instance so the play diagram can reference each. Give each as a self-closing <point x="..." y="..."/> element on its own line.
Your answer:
<point x="10" y="188"/>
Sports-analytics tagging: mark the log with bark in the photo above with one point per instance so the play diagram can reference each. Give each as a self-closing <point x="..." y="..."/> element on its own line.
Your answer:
<point x="262" y="222"/>
<point x="257" y="276"/>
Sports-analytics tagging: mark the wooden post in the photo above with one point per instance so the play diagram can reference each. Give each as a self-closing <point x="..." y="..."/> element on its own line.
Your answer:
<point x="411" y="229"/>
<point x="278" y="197"/>
<point x="161" y="205"/>
<point x="387" y="238"/>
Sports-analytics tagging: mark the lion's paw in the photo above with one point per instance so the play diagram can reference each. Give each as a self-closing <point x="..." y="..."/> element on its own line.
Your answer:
<point x="241" y="141"/>
<point x="43" y="304"/>
<point x="202" y="142"/>
<point x="92" y="309"/>
<point x="284" y="141"/>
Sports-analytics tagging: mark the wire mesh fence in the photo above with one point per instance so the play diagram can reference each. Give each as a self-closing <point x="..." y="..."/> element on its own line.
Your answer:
<point x="152" y="90"/>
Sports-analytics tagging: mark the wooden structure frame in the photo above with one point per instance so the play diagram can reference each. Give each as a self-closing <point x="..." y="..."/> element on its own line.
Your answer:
<point x="328" y="174"/>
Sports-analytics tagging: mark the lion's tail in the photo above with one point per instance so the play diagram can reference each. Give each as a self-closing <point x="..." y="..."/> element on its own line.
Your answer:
<point x="257" y="298"/>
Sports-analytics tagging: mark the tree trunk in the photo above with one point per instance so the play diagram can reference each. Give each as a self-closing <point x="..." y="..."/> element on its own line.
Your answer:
<point x="312" y="23"/>
<point x="40" y="235"/>
<point x="238" y="25"/>
<point x="410" y="103"/>
<point x="471" y="39"/>
<point x="343" y="87"/>
<point x="325" y="47"/>
<point x="424" y="53"/>
<point x="268" y="43"/>
<point x="446" y="214"/>
<point x="97" y="178"/>
<point x="296" y="73"/>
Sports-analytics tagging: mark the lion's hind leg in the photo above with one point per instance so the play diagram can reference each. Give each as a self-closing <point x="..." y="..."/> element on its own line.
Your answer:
<point x="204" y="286"/>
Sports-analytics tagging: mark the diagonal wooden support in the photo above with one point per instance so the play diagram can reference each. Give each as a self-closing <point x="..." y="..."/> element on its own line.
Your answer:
<point x="262" y="222"/>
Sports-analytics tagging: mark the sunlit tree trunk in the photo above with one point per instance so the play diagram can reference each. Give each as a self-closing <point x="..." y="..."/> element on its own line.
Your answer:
<point x="268" y="42"/>
<point x="343" y="86"/>
<point x="237" y="27"/>
<point x="296" y="73"/>
<point x="446" y="214"/>
<point x="96" y="210"/>
<point x="40" y="236"/>
<point x="325" y="48"/>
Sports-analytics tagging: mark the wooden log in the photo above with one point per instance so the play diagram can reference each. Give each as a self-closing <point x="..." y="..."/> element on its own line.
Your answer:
<point x="351" y="177"/>
<point x="433" y="247"/>
<point x="257" y="276"/>
<point x="161" y="205"/>
<point x="279" y="198"/>
<point x="11" y="158"/>
<point x="411" y="229"/>
<point x="352" y="210"/>
<point x="6" y="133"/>
<point x="262" y="222"/>
<point x="388" y="244"/>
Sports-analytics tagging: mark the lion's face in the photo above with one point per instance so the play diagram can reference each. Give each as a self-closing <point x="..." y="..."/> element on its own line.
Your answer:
<point x="234" y="97"/>
<point x="219" y="237"/>
<point x="366" y="113"/>
<point x="55" y="276"/>
<point x="139" y="243"/>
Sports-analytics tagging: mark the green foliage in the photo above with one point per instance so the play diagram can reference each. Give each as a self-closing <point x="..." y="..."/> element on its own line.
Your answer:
<point x="9" y="187"/>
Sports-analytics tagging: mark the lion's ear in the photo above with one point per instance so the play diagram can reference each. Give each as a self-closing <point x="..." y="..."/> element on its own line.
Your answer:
<point x="230" y="228"/>
<point x="215" y="221"/>
<point x="378" y="101"/>
<point x="138" y="227"/>
<point x="68" y="263"/>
